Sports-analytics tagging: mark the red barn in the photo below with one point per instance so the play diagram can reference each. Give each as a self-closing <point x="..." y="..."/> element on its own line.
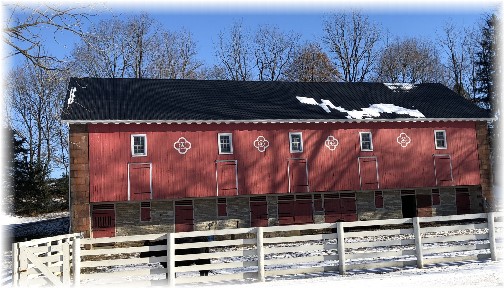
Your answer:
<point x="151" y="156"/>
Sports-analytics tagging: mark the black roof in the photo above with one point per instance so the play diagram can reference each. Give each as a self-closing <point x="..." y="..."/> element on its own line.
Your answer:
<point x="104" y="99"/>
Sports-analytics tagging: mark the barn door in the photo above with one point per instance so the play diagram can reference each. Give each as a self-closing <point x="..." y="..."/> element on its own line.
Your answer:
<point x="368" y="173"/>
<point x="103" y="220"/>
<point x="286" y="208"/>
<point x="443" y="169"/>
<point x="184" y="216"/>
<point x="303" y="212"/>
<point x="348" y="207"/>
<point x="332" y="208"/>
<point x="463" y="201"/>
<point x="297" y="171"/>
<point x="140" y="181"/>
<point x="226" y="175"/>
<point x="258" y="211"/>
<point x="424" y="205"/>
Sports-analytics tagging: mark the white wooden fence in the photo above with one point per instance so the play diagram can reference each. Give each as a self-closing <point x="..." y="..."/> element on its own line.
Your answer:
<point x="258" y="253"/>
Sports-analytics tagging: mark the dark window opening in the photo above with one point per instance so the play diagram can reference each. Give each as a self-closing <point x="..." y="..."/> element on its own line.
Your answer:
<point x="436" y="200"/>
<point x="145" y="211"/>
<point x="378" y="199"/>
<point x="408" y="202"/>
<point x="222" y="207"/>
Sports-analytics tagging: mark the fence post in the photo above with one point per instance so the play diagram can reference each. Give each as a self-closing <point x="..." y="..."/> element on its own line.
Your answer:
<point x="418" y="242"/>
<point x="491" y="235"/>
<point x="170" y="261"/>
<point x="341" y="247"/>
<point x="15" y="264"/>
<point x="76" y="259"/>
<point x="260" y="254"/>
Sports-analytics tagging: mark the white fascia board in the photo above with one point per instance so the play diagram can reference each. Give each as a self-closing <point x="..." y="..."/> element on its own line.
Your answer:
<point x="257" y="121"/>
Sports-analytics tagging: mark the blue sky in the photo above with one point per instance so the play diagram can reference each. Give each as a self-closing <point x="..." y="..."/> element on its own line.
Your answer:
<point x="207" y="19"/>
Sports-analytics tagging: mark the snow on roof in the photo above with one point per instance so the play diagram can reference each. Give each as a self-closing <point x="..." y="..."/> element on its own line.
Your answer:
<point x="399" y="86"/>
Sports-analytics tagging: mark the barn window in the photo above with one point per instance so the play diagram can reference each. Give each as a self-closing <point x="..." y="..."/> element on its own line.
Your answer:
<point x="225" y="143"/>
<point x="139" y="145"/>
<point x="378" y="196"/>
<point x="222" y="207"/>
<point x="366" y="141"/>
<point x="145" y="211"/>
<point x="296" y="142"/>
<point x="440" y="138"/>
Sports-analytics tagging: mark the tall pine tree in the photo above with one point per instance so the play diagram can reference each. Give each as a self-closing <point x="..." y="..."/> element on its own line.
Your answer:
<point x="485" y="73"/>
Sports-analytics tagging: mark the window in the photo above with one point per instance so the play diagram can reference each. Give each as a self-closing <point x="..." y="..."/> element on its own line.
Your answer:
<point x="440" y="138"/>
<point x="296" y="142"/>
<point x="225" y="143"/>
<point x="138" y="145"/>
<point x="145" y="211"/>
<point x="221" y="207"/>
<point x="366" y="141"/>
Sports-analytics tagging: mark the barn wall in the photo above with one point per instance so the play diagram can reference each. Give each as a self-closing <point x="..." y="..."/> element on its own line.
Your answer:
<point x="128" y="218"/>
<point x="266" y="172"/>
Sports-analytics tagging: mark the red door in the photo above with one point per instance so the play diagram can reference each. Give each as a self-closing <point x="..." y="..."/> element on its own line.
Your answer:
<point x="303" y="211"/>
<point x="424" y="205"/>
<point x="227" y="178"/>
<point x="348" y="207"/>
<point x="139" y="181"/>
<point x="286" y="208"/>
<point x="258" y="212"/>
<point x="184" y="216"/>
<point x="332" y="208"/>
<point x="443" y="170"/>
<point x="463" y="201"/>
<point x="298" y="176"/>
<point x="368" y="172"/>
<point x="103" y="221"/>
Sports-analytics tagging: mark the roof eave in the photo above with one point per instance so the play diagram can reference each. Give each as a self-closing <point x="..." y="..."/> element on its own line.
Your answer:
<point x="257" y="121"/>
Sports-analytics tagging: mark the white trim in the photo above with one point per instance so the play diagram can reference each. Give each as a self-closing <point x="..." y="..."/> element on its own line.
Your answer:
<point x="230" y="142"/>
<point x="370" y="139"/>
<point x="435" y="140"/>
<point x="133" y="145"/>
<point x="307" y="174"/>
<point x="256" y="121"/>
<point x="300" y="142"/>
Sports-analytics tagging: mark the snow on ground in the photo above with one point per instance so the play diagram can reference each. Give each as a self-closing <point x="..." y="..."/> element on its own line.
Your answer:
<point x="12" y="219"/>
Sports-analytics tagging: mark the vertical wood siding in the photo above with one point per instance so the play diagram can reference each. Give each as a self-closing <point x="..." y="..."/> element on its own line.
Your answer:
<point x="193" y="174"/>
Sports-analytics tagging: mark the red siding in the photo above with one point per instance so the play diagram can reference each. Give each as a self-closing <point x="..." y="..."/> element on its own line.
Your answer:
<point x="139" y="179"/>
<point x="193" y="174"/>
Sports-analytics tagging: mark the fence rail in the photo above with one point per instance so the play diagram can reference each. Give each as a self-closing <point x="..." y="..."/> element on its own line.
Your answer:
<point x="256" y="253"/>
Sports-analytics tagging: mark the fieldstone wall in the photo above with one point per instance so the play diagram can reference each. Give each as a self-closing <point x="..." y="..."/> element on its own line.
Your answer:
<point x="447" y="202"/>
<point x="476" y="198"/>
<point x="485" y="164"/>
<point x="205" y="214"/>
<point x="272" y="210"/>
<point x="366" y="210"/>
<point x="80" y="220"/>
<point x="128" y="218"/>
<point x="238" y="214"/>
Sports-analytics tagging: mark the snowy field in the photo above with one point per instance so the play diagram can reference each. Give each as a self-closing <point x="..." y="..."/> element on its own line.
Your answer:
<point x="460" y="274"/>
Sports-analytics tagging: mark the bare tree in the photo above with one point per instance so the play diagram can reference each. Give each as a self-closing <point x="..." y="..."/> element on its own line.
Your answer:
<point x="311" y="64"/>
<point x="35" y="98"/>
<point x="456" y="45"/>
<point x="26" y="28"/>
<point x="273" y="51"/>
<point x="140" y="35"/>
<point x="174" y="56"/>
<point x="352" y="39"/>
<point x="234" y="53"/>
<point x="410" y="61"/>
<point x="103" y="51"/>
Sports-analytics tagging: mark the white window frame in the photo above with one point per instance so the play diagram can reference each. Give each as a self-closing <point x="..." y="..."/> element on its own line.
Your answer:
<point x="370" y="140"/>
<point x="300" y="143"/>
<point x="133" y="154"/>
<point x="230" y="142"/>
<point x="435" y="140"/>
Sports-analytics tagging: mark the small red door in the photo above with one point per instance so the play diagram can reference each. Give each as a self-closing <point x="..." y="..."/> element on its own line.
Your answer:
<point x="463" y="201"/>
<point x="258" y="212"/>
<point x="286" y="208"/>
<point x="303" y="211"/>
<point x="103" y="221"/>
<point x="184" y="216"/>
<point x="332" y="207"/>
<point x="348" y="207"/>
<point x="368" y="172"/>
<point x="227" y="178"/>
<point x="298" y="176"/>
<point x="140" y="181"/>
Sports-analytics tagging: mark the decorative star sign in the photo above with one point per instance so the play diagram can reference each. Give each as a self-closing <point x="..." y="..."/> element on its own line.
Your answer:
<point x="182" y="145"/>
<point x="261" y="144"/>
<point x="403" y="140"/>
<point x="331" y="143"/>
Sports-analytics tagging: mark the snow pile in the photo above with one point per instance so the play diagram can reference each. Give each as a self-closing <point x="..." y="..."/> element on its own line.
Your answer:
<point x="399" y="86"/>
<point x="373" y="111"/>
